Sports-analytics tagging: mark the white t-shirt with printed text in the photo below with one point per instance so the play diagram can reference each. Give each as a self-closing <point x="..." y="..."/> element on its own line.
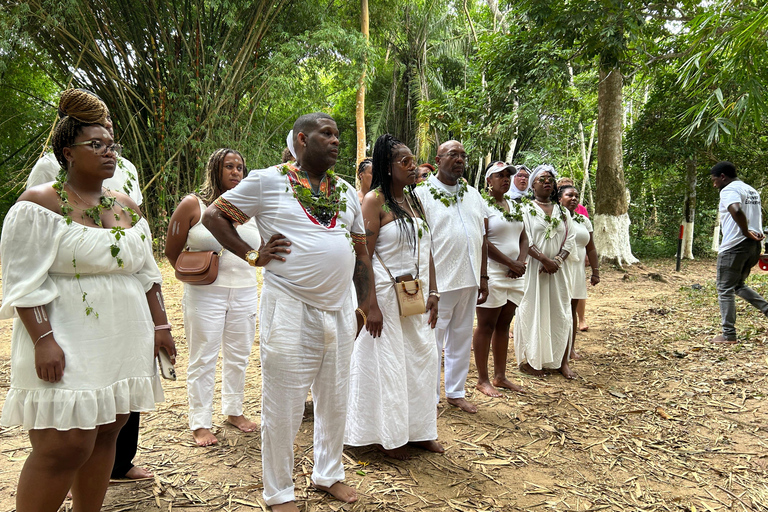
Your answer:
<point x="749" y="200"/>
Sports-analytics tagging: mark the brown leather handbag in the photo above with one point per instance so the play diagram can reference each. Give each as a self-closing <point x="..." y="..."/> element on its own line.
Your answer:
<point x="197" y="267"/>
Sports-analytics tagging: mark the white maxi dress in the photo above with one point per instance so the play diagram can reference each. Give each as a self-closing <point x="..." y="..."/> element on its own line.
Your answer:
<point x="110" y="366"/>
<point x="543" y="326"/>
<point x="582" y="228"/>
<point x="392" y="378"/>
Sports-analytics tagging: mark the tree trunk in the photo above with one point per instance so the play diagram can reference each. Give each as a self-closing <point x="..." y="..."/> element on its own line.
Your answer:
<point x="690" y="208"/>
<point x="360" y="101"/>
<point x="611" y="220"/>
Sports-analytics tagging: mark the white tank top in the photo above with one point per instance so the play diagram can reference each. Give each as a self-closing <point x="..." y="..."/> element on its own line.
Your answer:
<point x="234" y="272"/>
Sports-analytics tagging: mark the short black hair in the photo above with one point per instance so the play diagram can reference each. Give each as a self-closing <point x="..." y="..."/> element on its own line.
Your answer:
<point x="308" y="122"/>
<point x="723" y="167"/>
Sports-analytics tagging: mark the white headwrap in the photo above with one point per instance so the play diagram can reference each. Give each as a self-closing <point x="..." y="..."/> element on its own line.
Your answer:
<point x="289" y="143"/>
<point x="514" y="192"/>
<point x="541" y="169"/>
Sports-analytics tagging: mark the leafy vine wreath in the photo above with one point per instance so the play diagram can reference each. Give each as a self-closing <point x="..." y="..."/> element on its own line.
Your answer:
<point x="552" y="221"/>
<point x="323" y="205"/>
<point x="444" y="197"/>
<point x="509" y="216"/>
<point x="106" y="203"/>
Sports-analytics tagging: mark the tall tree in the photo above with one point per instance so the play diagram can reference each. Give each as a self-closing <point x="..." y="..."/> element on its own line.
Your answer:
<point x="360" y="100"/>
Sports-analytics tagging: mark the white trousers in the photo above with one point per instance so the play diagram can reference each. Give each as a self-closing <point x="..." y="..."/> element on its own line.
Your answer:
<point x="302" y="348"/>
<point x="217" y="317"/>
<point x="453" y="334"/>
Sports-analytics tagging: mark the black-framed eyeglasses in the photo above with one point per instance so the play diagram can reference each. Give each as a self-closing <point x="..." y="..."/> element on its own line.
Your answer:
<point x="454" y="155"/>
<point x="99" y="148"/>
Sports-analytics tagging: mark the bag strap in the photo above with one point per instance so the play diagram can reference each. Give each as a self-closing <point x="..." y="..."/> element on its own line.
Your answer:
<point x="418" y="259"/>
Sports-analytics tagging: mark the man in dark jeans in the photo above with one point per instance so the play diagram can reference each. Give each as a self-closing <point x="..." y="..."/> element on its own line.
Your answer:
<point x="742" y="228"/>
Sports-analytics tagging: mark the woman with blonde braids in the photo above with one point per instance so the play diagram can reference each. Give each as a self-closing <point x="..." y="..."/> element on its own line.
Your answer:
<point x="79" y="275"/>
<point x="221" y="314"/>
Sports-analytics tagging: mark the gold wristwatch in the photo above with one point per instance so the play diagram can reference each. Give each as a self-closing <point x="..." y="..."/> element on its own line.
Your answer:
<point x="252" y="257"/>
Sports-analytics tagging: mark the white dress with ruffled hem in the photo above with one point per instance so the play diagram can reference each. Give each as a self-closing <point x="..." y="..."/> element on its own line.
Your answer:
<point x="109" y="363"/>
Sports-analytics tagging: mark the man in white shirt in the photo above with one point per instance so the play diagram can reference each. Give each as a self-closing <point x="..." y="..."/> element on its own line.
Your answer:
<point x="456" y="216"/>
<point x="307" y="318"/>
<point x="742" y="227"/>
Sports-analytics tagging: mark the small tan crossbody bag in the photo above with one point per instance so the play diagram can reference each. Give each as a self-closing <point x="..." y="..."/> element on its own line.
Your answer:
<point x="410" y="296"/>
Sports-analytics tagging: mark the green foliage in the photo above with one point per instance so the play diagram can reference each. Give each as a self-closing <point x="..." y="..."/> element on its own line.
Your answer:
<point x="725" y="73"/>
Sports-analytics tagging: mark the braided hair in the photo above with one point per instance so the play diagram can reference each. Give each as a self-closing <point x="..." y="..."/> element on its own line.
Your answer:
<point x="382" y="180"/>
<point x="78" y="108"/>
<point x="363" y="164"/>
<point x="561" y="190"/>
<point x="212" y="187"/>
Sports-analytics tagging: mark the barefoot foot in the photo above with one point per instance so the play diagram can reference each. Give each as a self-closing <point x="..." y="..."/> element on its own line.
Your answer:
<point x="243" y="423"/>
<point x="339" y="491"/>
<point x="530" y="370"/>
<point x="204" y="437"/>
<point x="583" y="327"/>
<point x="399" y="453"/>
<point x="462" y="404"/>
<point x="503" y="382"/>
<point x="487" y="389"/>
<point x="138" y="473"/>
<point x="430" y="446"/>
<point x="575" y="355"/>
<point x="288" y="506"/>
<point x="567" y="372"/>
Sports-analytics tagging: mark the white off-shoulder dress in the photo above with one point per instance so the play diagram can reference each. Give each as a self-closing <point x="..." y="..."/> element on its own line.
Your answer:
<point x="108" y="353"/>
<point x="392" y="378"/>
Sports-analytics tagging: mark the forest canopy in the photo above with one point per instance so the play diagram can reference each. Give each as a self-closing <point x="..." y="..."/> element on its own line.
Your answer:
<point x="669" y="88"/>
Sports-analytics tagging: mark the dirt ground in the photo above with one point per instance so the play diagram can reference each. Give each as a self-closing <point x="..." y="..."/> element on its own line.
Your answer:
<point x="659" y="419"/>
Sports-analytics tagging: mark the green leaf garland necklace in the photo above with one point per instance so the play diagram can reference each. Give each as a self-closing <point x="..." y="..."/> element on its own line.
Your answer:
<point x="552" y="221"/>
<point x="106" y="203"/>
<point x="321" y="206"/>
<point x="508" y="216"/>
<point x="445" y="197"/>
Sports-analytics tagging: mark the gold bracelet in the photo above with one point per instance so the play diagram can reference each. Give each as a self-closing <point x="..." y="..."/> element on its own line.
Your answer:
<point x="365" y="317"/>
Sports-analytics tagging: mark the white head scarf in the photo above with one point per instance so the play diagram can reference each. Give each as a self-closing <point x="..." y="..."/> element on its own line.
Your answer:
<point x="289" y="143"/>
<point x="514" y="192"/>
<point x="541" y="169"/>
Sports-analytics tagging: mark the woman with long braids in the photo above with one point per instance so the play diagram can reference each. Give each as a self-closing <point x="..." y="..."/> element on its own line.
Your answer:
<point x="392" y="375"/>
<point x="79" y="275"/>
<point x="543" y="325"/>
<point x="220" y="315"/>
<point x="507" y="251"/>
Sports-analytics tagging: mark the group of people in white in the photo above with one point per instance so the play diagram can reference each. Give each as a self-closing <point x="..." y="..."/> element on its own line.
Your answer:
<point x="366" y="298"/>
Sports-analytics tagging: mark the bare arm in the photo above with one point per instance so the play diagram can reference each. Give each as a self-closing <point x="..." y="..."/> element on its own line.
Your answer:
<point x="741" y="220"/>
<point x="372" y="214"/>
<point x="482" y="292"/>
<point x="49" y="358"/>
<point x="593" y="260"/>
<point x="432" y="300"/>
<point x="163" y="337"/>
<point x="184" y="217"/>
<point x="223" y="229"/>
